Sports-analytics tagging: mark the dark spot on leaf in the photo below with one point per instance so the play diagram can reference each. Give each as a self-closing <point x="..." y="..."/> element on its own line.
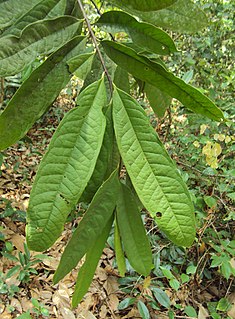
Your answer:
<point x="62" y="196"/>
<point x="158" y="214"/>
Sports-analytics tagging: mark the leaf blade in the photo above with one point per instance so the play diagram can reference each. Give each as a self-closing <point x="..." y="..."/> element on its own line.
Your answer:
<point x="61" y="177"/>
<point x="156" y="75"/>
<point x="90" y="227"/>
<point x="152" y="172"/>
<point x="132" y="231"/>
<point x="143" y="5"/>
<point x="36" y="94"/>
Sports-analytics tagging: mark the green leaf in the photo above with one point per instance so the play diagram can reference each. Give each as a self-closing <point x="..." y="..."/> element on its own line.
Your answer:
<point x="152" y="172"/>
<point x="66" y="168"/>
<point x="25" y="315"/>
<point x="11" y="10"/>
<point x="125" y="303"/>
<point x="156" y="75"/>
<point x="190" y="311"/>
<point x="41" y="37"/>
<point x="91" y="226"/>
<point x="38" y="12"/>
<point x="14" y="270"/>
<point x="81" y="64"/>
<point x="174" y="283"/>
<point x="159" y="101"/>
<point x="121" y="79"/>
<point x="133" y="234"/>
<point x="143" y="310"/>
<point x="183" y="16"/>
<point x="144" y="35"/>
<point x="87" y="271"/>
<point x="224" y="305"/>
<point x="37" y="93"/>
<point x="121" y="262"/>
<point x="143" y="5"/>
<point x="107" y="160"/>
<point x="161" y="297"/>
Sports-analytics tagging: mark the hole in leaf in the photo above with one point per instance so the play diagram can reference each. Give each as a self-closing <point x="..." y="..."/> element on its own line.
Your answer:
<point x="158" y="214"/>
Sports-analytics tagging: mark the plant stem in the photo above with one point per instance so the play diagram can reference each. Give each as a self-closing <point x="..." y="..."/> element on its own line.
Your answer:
<point x="96" y="46"/>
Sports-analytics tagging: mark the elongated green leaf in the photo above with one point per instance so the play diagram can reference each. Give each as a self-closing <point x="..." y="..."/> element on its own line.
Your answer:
<point x="81" y="64"/>
<point x="121" y="263"/>
<point x="87" y="271"/>
<point x="11" y="10"/>
<point x="41" y="37"/>
<point x="156" y="75"/>
<point x="183" y="16"/>
<point x="91" y="226"/>
<point x="37" y="93"/>
<point x="158" y="100"/>
<point x="38" y="12"/>
<point x="66" y="168"/>
<point x="144" y="35"/>
<point x="143" y="5"/>
<point x="152" y="172"/>
<point x="133" y="235"/>
<point x="107" y="160"/>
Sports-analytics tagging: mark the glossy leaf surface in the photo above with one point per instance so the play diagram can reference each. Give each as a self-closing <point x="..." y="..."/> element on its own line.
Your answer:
<point x="66" y="168"/>
<point x="37" y="93"/>
<point x="91" y="226"/>
<point x="87" y="271"/>
<point x="152" y="172"/>
<point x="144" y="35"/>
<point x="132" y="231"/>
<point x="156" y="75"/>
<point x="41" y="37"/>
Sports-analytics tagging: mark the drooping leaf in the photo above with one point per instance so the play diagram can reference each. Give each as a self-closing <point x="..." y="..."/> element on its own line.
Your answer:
<point x="183" y="16"/>
<point x="37" y="93"/>
<point x="120" y="258"/>
<point x="143" y="310"/>
<point x="81" y="64"/>
<point x="38" y="12"/>
<point x="133" y="235"/>
<point x="144" y="35"/>
<point x="41" y="37"/>
<point x="66" y="168"/>
<point x="87" y="271"/>
<point x="11" y="10"/>
<point x="107" y="160"/>
<point x="161" y="297"/>
<point x="91" y="226"/>
<point x="152" y="172"/>
<point x="143" y="5"/>
<point x="155" y="74"/>
<point x="158" y="100"/>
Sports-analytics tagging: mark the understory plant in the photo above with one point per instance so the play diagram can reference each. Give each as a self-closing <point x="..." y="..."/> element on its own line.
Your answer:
<point x="107" y="131"/>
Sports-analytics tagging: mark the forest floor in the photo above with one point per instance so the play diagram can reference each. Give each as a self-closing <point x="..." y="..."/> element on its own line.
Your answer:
<point x="37" y="297"/>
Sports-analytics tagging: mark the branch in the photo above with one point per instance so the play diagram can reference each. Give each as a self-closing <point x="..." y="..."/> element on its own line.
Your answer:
<point x="96" y="46"/>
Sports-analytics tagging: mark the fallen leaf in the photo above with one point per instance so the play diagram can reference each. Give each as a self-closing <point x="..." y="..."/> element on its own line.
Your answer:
<point x="203" y="313"/>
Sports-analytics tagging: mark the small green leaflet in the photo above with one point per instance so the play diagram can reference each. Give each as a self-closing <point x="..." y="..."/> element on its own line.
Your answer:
<point x="38" y="38"/>
<point x="37" y="93"/>
<point x="132" y="231"/>
<point x="91" y="226"/>
<point x="143" y="5"/>
<point x="38" y="12"/>
<point x="155" y="74"/>
<point x="87" y="271"/>
<point x="152" y="172"/>
<point x="11" y="10"/>
<point x="66" y="168"/>
<point x="145" y="35"/>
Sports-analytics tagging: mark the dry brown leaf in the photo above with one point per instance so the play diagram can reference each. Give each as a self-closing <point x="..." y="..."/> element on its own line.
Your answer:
<point x="203" y="313"/>
<point x="85" y="314"/>
<point x="5" y="315"/>
<point x="113" y="302"/>
<point x="18" y="241"/>
<point x="26" y="304"/>
<point x="103" y="312"/>
<point x="111" y="285"/>
<point x="231" y="299"/>
<point x="66" y="313"/>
